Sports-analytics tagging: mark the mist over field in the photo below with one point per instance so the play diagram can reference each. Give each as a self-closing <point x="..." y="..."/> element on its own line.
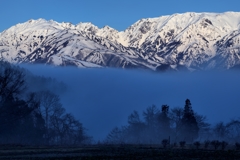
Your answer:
<point x="103" y="98"/>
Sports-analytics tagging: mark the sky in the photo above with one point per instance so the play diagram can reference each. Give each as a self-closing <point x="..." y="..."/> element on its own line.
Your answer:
<point x="119" y="14"/>
<point x="103" y="100"/>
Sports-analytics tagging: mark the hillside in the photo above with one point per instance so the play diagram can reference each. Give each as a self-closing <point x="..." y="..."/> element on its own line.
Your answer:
<point x="190" y="41"/>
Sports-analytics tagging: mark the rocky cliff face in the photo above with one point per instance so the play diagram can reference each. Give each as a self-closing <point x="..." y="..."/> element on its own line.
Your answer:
<point x="192" y="41"/>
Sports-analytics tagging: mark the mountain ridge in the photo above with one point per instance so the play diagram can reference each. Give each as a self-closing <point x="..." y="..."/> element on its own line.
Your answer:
<point x="189" y="40"/>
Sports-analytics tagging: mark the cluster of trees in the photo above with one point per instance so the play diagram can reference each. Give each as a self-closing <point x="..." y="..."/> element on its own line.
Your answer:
<point x="180" y="124"/>
<point x="34" y="118"/>
<point x="173" y="126"/>
<point x="29" y="115"/>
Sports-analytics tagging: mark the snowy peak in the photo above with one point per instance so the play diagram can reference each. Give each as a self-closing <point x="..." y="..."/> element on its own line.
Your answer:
<point x="190" y="40"/>
<point x="151" y="28"/>
<point x="87" y="27"/>
<point x="40" y="24"/>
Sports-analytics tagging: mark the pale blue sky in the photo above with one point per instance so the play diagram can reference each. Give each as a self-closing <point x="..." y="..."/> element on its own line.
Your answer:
<point x="118" y="14"/>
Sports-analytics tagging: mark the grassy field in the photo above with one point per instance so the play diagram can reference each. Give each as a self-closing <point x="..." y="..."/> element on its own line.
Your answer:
<point x="115" y="152"/>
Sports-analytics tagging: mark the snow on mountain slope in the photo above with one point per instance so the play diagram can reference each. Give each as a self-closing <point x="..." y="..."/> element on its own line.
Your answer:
<point x="186" y="39"/>
<point x="190" y="40"/>
<point x="41" y="41"/>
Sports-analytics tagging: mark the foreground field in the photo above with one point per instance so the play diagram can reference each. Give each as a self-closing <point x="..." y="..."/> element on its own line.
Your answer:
<point x="114" y="152"/>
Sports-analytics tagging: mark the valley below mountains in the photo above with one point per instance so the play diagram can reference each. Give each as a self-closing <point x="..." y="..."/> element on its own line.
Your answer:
<point x="189" y="41"/>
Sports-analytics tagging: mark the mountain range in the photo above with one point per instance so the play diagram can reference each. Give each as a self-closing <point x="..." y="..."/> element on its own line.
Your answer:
<point x="188" y="41"/>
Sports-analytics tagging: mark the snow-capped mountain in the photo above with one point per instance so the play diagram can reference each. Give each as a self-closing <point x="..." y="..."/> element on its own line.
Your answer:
<point x="189" y="40"/>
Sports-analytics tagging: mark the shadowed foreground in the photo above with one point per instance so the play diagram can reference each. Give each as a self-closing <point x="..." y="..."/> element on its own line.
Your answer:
<point x="113" y="152"/>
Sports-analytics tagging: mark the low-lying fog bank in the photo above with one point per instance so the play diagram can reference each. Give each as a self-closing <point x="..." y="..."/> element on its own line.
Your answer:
<point x="103" y="98"/>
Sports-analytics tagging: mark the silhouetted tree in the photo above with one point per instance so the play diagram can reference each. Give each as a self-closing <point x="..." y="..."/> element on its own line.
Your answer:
<point x="165" y="142"/>
<point x="206" y="144"/>
<point x="163" y="120"/>
<point x="67" y="130"/>
<point x="12" y="82"/>
<point x="233" y="130"/>
<point x="197" y="144"/>
<point x="136" y="128"/>
<point x="215" y="144"/>
<point x="39" y="131"/>
<point x="150" y="116"/>
<point x="224" y="144"/>
<point x="175" y="116"/>
<point x="204" y="126"/>
<point x="189" y="126"/>
<point x="220" y="131"/>
<point x="237" y="145"/>
<point x="182" y="144"/>
<point x="49" y="105"/>
<point x="117" y="135"/>
<point x="30" y="118"/>
<point x="20" y="122"/>
<point x="15" y="113"/>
